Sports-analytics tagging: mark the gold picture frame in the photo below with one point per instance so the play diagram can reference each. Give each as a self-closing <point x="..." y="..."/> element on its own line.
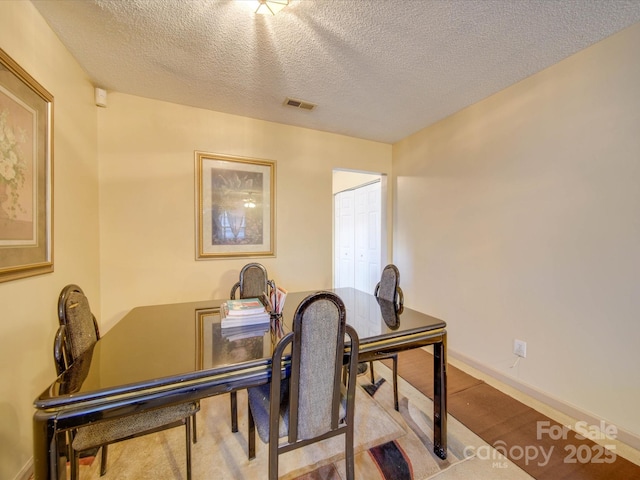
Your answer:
<point x="235" y="206"/>
<point x="26" y="173"/>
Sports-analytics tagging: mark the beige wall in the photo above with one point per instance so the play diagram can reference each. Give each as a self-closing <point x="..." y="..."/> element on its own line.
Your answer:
<point x="147" y="241"/>
<point x="346" y="180"/>
<point x="528" y="227"/>
<point x="28" y="320"/>
<point x="528" y="221"/>
<point x="147" y="190"/>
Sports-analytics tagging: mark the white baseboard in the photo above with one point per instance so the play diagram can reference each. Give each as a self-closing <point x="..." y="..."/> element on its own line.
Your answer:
<point x="26" y="472"/>
<point x="623" y="435"/>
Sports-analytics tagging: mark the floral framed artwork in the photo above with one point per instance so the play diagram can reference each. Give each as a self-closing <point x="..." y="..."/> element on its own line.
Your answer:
<point x="26" y="159"/>
<point x="235" y="207"/>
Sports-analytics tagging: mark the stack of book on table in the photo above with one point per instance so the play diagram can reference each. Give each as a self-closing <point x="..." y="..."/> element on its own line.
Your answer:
<point x="243" y="312"/>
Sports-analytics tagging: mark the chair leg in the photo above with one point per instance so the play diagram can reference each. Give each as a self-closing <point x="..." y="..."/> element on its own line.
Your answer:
<point x="187" y="426"/>
<point x="395" y="383"/>
<point x="74" y="465"/>
<point x="103" y="460"/>
<point x="67" y="438"/>
<point x="195" y="430"/>
<point x="349" y="453"/>
<point x="234" y="412"/>
<point x="273" y="460"/>
<point x="251" y="435"/>
<point x="373" y="377"/>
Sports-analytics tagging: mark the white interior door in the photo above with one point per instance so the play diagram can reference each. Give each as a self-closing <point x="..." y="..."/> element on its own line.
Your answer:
<point x="358" y="233"/>
<point x="367" y="237"/>
<point x="344" y="239"/>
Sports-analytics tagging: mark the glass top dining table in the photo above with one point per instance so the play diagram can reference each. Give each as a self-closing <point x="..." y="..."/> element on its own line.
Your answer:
<point x="159" y="355"/>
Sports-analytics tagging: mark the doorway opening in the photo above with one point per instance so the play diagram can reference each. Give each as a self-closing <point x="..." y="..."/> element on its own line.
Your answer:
<point x="359" y="229"/>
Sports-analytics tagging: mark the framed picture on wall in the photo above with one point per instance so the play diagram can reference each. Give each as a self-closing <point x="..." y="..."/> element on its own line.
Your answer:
<point x="26" y="159"/>
<point x="235" y="207"/>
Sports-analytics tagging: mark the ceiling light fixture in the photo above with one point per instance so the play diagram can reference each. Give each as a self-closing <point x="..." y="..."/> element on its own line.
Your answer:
<point x="265" y="7"/>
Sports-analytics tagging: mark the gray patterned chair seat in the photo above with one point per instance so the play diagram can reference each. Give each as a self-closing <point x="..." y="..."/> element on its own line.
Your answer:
<point x="112" y="431"/>
<point x="259" y="400"/>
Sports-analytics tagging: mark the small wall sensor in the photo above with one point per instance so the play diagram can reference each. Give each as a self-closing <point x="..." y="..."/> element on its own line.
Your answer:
<point x="101" y="97"/>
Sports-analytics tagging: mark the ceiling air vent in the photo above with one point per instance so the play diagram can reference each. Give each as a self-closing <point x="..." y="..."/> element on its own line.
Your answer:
<point x="292" y="102"/>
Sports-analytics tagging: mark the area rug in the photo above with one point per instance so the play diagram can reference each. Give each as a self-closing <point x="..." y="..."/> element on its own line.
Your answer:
<point x="543" y="448"/>
<point x="389" y="445"/>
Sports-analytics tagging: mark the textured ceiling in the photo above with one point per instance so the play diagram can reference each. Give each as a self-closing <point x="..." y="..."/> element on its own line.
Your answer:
<point x="377" y="69"/>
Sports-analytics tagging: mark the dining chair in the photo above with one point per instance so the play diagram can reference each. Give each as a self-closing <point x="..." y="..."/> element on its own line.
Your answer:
<point x="312" y="397"/>
<point x="389" y="295"/>
<point x="253" y="283"/>
<point x="76" y="337"/>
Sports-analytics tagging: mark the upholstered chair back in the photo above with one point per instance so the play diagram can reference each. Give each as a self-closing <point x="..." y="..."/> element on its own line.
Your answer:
<point x="389" y="282"/>
<point x="81" y="332"/>
<point x="253" y="282"/>
<point x="78" y="330"/>
<point x="320" y="330"/>
<point x="317" y="398"/>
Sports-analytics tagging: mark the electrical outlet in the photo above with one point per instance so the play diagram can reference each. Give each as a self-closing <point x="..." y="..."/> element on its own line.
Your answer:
<point x="520" y="348"/>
